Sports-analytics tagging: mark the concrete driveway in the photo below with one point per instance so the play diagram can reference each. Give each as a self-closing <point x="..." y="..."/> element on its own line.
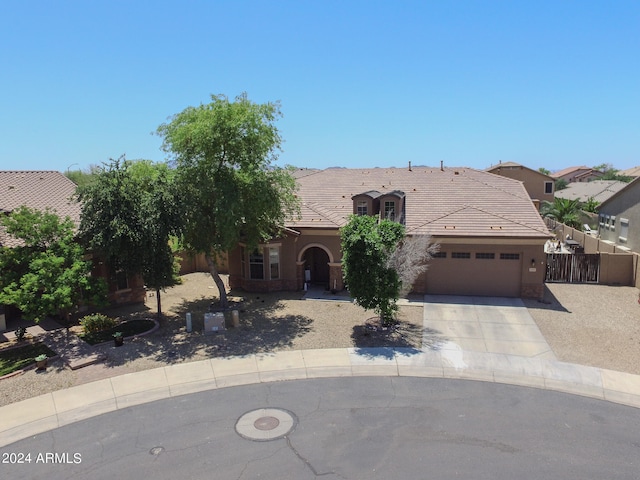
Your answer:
<point x="482" y="324"/>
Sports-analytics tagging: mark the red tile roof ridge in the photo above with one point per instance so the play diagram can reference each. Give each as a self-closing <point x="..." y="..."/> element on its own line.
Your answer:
<point x="494" y="186"/>
<point x="320" y="210"/>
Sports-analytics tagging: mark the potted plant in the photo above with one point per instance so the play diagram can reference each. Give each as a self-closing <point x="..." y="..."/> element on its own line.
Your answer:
<point x="20" y="333"/>
<point x="118" y="339"/>
<point x="41" y="361"/>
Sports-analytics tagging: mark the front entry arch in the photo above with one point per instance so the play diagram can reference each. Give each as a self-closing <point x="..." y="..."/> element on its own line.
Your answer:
<point x="316" y="264"/>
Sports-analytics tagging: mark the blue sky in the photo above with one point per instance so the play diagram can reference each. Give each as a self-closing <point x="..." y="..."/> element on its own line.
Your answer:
<point x="361" y="84"/>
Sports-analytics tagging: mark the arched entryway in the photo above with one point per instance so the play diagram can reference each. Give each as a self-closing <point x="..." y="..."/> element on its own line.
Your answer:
<point x="316" y="264"/>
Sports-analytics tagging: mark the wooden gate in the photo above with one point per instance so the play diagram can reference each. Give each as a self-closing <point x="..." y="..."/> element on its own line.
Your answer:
<point x="573" y="268"/>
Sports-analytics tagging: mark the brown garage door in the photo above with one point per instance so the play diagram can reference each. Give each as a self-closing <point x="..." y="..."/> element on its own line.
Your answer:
<point x="475" y="273"/>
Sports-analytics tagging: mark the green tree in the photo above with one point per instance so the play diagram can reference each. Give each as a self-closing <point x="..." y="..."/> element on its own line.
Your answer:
<point x="544" y="170"/>
<point x="129" y="213"/>
<point x="47" y="273"/>
<point x="563" y="210"/>
<point x="378" y="262"/>
<point x="561" y="184"/>
<point x="591" y="205"/>
<point x="83" y="177"/>
<point x="231" y="192"/>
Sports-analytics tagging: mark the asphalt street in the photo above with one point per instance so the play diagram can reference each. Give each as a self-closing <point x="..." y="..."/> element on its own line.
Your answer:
<point x="346" y="428"/>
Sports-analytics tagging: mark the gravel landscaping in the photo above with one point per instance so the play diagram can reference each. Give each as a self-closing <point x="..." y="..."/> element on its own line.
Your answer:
<point x="586" y="324"/>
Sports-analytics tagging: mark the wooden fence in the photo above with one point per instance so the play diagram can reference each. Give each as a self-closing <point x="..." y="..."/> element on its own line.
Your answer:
<point x="573" y="268"/>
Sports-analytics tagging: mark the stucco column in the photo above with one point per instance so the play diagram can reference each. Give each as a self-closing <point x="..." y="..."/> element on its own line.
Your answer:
<point x="299" y="275"/>
<point x="335" y="276"/>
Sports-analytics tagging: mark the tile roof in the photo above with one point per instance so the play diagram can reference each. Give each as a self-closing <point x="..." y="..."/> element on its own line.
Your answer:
<point x="600" y="190"/>
<point x="39" y="190"/>
<point x="513" y="165"/>
<point x="630" y="172"/>
<point x="568" y="170"/>
<point x="452" y="202"/>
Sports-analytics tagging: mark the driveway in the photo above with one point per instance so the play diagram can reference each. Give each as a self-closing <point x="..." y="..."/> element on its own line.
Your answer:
<point x="482" y="324"/>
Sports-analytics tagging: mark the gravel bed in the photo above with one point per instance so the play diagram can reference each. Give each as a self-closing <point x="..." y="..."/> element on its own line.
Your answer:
<point x="596" y="325"/>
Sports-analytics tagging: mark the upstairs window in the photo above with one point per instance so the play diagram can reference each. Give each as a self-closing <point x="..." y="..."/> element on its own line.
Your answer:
<point x="548" y="187"/>
<point x="624" y="229"/>
<point x="361" y="207"/>
<point x="390" y="210"/>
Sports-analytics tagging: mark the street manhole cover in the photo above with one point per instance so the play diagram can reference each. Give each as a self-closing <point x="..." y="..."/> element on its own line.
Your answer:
<point x="266" y="424"/>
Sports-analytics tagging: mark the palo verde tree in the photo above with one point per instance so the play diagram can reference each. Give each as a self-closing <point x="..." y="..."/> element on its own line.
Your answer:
<point x="223" y="152"/>
<point x="379" y="263"/>
<point x="129" y="213"/>
<point x="46" y="274"/>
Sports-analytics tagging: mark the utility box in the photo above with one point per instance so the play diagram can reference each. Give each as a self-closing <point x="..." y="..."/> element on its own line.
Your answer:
<point x="213" y="323"/>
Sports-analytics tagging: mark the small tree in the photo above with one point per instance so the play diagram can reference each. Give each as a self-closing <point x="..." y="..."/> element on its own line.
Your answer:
<point x="561" y="184"/>
<point x="47" y="273"/>
<point x="563" y="210"/>
<point x="231" y="192"/>
<point x="378" y="265"/>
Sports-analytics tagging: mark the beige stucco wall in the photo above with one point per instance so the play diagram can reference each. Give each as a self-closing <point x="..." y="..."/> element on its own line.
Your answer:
<point x="616" y="269"/>
<point x="534" y="182"/>
<point x="488" y="277"/>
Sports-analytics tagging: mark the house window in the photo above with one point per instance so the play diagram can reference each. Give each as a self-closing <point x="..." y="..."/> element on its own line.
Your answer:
<point x="509" y="256"/>
<point x="122" y="282"/>
<point x="607" y="220"/>
<point x="361" y="207"/>
<point x="485" y="256"/>
<point x="243" y="262"/>
<point x="439" y="255"/>
<point x="602" y="219"/>
<point x="390" y="210"/>
<point x="256" y="265"/>
<point x="460" y="255"/>
<point x="613" y="223"/>
<point x="548" y="187"/>
<point x="624" y="229"/>
<point x="274" y="263"/>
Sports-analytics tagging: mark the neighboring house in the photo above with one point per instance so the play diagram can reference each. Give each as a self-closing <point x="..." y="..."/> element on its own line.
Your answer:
<point x="48" y="189"/>
<point x="490" y="234"/>
<point x="577" y="174"/>
<point x="539" y="186"/>
<point x="599" y="190"/>
<point x="619" y="217"/>
<point x="630" y="172"/>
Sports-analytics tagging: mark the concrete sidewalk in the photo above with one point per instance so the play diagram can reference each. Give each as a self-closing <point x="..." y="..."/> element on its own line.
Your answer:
<point x="46" y="412"/>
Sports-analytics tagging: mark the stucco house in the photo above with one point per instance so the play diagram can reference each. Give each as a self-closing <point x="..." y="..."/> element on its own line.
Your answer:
<point x="50" y="189"/>
<point x="577" y="174"/>
<point x="599" y="190"/>
<point x="619" y="217"/>
<point x="539" y="186"/>
<point x="490" y="233"/>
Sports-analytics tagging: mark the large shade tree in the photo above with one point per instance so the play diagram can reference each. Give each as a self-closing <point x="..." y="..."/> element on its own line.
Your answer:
<point x="46" y="274"/>
<point x="224" y="153"/>
<point x="379" y="262"/>
<point x="130" y="211"/>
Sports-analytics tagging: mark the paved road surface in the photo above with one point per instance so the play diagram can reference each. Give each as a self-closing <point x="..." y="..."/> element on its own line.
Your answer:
<point x="350" y="428"/>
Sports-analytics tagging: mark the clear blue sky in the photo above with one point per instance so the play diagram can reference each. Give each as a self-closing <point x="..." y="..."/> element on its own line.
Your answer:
<point x="544" y="83"/>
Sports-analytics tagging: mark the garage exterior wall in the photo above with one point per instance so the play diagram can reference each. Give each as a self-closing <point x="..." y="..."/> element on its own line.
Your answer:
<point x="514" y="270"/>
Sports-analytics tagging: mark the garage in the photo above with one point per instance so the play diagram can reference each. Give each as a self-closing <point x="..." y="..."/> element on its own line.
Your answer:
<point x="461" y="271"/>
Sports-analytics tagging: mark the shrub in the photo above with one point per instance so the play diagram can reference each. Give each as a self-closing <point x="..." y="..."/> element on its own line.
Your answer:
<point x="96" y="323"/>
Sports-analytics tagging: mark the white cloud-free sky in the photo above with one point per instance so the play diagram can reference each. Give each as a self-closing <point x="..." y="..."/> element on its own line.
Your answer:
<point x="361" y="83"/>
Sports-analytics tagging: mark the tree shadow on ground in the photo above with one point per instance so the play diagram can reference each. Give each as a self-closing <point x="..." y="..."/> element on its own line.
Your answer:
<point x="401" y="335"/>
<point x="548" y="302"/>
<point x="261" y="329"/>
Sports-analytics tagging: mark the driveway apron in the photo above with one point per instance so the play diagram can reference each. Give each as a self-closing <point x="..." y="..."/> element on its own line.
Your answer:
<point x="482" y="324"/>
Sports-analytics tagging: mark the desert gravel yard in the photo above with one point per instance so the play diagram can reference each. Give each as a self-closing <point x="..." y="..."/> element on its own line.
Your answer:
<point x="596" y="325"/>
<point x="587" y="324"/>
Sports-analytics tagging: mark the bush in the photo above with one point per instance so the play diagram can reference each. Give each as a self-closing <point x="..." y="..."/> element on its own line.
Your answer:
<point x="96" y="323"/>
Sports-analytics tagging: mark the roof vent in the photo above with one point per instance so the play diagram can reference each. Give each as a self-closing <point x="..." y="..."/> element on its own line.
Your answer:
<point x="449" y="227"/>
<point x="496" y="228"/>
